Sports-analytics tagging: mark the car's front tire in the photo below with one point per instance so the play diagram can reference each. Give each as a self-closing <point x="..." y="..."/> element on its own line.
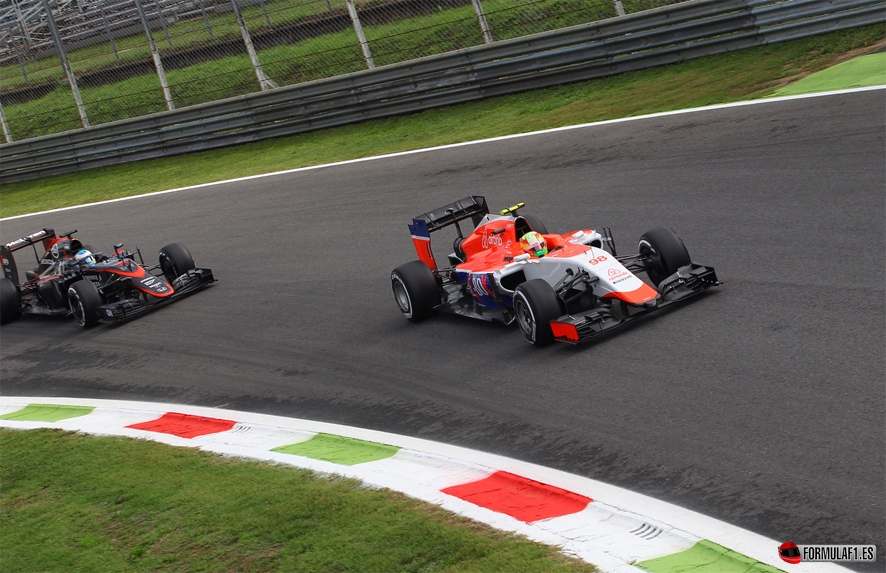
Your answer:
<point x="84" y="300"/>
<point x="415" y="290"/>
<point x="664" y="253"/>
<point x="10" y="301"/>
<point x="175" y="260"/>
<point x="535" y="306"/>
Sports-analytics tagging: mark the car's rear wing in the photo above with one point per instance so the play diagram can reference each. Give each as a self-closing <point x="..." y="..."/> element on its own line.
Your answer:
<point x="472" y="207"/>
<point x="46" y="236"/>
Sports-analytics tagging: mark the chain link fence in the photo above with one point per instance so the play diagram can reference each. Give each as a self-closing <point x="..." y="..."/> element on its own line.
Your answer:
<point x="70" y="64"/>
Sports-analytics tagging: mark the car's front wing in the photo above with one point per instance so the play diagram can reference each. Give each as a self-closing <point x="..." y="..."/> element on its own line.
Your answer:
<point x="686" y="282"/>
<point x="184" y="285"/>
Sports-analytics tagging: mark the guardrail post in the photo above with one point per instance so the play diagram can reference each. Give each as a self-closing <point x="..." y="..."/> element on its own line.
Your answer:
<point x="364" y="45"/>
<point x="6" y="132"/>
<point x="619" y="9"/>
<point x="158" y="63"/>
<point x="487" y="35"/>
<point x="57" y="40"/>
<point x="264" y="81"/>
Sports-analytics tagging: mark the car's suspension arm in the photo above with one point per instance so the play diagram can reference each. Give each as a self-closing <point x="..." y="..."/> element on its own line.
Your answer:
<point x="571" y="279"/>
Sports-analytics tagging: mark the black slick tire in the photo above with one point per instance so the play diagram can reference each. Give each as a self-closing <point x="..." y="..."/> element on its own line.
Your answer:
<point x="415" y="291"/>
<point x="535" y="306"/>
<point x="84" y="300"/>
<point x="664" y="253"/>
<point x="10" y="301"/>
<point x="175" y="260"/>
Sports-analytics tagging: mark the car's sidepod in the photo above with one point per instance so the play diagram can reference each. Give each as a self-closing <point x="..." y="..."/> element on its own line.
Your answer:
<point x="135" y="274"/>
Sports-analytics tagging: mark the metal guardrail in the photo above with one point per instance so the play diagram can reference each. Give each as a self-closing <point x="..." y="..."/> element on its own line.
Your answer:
<point x="645" y="39"/>
<point x="229" y="48"/>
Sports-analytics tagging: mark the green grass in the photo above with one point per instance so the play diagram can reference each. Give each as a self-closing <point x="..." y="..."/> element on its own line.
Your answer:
<point x="742" y="75"/>
<point x="869" y="70"/>
<point x="184" y="35"/>
<point x="325" y="56"/>
<point x="70" y="503"/>
<point x="506" y="18"/>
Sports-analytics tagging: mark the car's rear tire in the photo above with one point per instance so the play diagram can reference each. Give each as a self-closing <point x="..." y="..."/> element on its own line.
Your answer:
<point x="664" y="253"/>
<point x="415" y="290"/>
<point x="535" y="306"/>
<point x="175" y="260"/>
<point x="84" y="300"/>
<point x="10" y="301"/>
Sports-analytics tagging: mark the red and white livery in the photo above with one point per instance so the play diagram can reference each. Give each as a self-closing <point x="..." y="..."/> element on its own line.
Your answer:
<point x="579" y="288"/>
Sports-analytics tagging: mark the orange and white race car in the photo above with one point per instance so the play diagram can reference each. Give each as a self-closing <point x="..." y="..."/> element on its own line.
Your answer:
<point x="567" y="287"/>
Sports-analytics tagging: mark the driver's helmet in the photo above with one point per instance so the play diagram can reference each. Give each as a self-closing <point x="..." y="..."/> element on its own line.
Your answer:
<point x="534" y="244"/>
<point x="84" y="259"/>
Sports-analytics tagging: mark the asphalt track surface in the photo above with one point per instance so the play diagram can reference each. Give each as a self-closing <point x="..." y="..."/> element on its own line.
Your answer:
<point x="760" y="403"/>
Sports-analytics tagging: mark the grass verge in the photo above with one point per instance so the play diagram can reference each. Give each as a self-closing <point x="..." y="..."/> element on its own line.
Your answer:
<point x="327" y="55"/>
<point x="71" y="502"/>
<point x="742" y="75"/>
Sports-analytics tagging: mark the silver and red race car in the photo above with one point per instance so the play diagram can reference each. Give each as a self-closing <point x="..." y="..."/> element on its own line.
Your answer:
<point x="71" y="279"/>
<point x="569" y="287"/>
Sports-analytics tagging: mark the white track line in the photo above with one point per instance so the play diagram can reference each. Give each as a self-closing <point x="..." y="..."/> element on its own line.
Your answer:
<point x="454" y="145"/>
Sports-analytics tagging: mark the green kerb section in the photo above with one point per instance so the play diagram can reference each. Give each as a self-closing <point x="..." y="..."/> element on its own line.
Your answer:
<point x="865" y="71"/>
<point x="47" y="413"/>
<point x="707" y="557"/>
<point x="339" y="450"/>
